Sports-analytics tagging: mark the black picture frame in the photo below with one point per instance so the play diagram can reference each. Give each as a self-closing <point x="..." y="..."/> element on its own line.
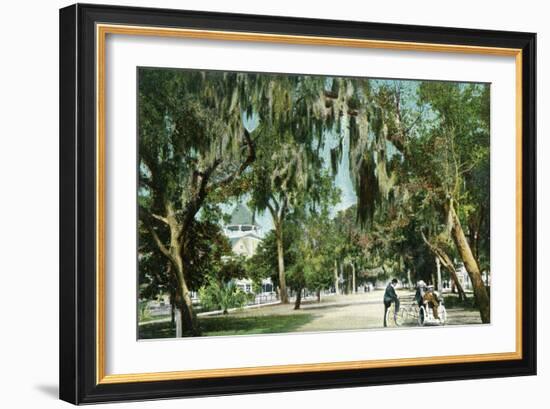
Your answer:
<point x="78" y="258"/>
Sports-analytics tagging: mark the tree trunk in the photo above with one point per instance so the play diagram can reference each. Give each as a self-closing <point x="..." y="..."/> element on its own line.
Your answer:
<point x="172" y="311"/>
<point x="281" y="262"/>
<point x="480" y="292"/>
<point x="336" y="288"/>
<point x="354" y="289"/>
<point x="439" y="283"/>
<point x="473" y="240"/>
<point x="475" y="228"/>
<point x="318" y="295"/>
<point x="188" y="318"/>
<point x="449" y="266"/>
<point x="298" y="301"/>
<point x="344" y="288"/>
<point x="172" y="294"/>
<point x="456" y="284"/>
<point x="173" y="252"/>
<point x="187" y="314"/>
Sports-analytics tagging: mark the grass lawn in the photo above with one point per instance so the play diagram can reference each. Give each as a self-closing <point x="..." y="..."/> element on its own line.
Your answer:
<point x="231" y="325"/>
<point x="452" y="301"/>
<point x="153" y="318"/>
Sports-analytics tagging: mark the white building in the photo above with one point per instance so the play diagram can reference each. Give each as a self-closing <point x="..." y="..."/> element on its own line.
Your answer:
<point x="243" y="232"/>
<point x="463" y="277"/>
<point x="244" y="235"/>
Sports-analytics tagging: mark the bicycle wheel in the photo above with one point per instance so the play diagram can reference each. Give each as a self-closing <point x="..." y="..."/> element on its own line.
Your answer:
<point x="422" y="316"/>
<point x="442" y="311"/>
<point x="389" y="317"/>
<point x="392" y="319"/>
<point x="412" y="314"/>
<point x="401" y="318"/>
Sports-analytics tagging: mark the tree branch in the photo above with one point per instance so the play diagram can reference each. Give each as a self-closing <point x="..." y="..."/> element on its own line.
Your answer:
<point x="195" y="203"/>
<point x="157" y="240"/>
<point x="201" y="192"/>
<point x="447" y="264"/>
<point x="251" y="156"/>
<point x="162" y="219"/>
<point x="272" y="211"/>
<point x="283" y="208"/>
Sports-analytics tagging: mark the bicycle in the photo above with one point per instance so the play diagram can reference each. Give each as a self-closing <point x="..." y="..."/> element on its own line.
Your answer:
<point x="393" y="319"/>
<point x="423" y="314"/>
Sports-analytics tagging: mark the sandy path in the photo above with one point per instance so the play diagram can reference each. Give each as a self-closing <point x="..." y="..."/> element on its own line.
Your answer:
<point x="360" y="311"/>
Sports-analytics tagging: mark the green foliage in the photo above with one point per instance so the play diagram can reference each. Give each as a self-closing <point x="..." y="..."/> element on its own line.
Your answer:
<point x="143" y="311"/>
<point x="459" y="167"/>
<point x="321" y="246"/>
<point x="222" y="296"/>
<point x="263" y="264"/>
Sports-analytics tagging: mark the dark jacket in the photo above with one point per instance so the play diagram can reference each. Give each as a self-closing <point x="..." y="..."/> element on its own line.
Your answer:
<point x="419" y="296"/>
<point x="390" y="294"/>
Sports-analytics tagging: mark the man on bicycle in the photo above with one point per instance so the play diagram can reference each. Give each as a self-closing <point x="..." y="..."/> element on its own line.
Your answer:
<point x="390" y="296"/>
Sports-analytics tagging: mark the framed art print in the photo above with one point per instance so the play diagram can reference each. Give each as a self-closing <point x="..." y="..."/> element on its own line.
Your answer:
<point x="257" y="203"/>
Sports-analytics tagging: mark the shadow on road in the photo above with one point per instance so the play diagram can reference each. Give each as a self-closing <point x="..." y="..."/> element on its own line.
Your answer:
<point x="313" y="305"/>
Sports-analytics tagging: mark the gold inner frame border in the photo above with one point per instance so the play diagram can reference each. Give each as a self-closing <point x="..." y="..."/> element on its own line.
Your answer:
<point x="102" y="30"/>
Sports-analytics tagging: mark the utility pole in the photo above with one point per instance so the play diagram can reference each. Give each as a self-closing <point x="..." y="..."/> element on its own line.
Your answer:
<point x="179" y="329"/>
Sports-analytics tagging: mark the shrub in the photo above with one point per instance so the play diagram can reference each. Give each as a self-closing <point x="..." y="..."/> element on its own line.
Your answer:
<point x="216" y="295"/>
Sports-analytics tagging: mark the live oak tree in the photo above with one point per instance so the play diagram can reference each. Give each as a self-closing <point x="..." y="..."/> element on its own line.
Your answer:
<point x="208" y="256"/>
<point x="311" y="114"/>
<point x="264" y="263"/>
<point x="290" y="189"/>
<point x="440" y="159"/>
<point x="319" y="248"/>
<point x="192" y="141"/>
<point x="460" y="137"/>
<point x="288" y="171"/>
<point x="354" y="244"/>
<point x="312" y="242"/>
<point x="307" y="250"/>
<point x="432" y="140"/>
